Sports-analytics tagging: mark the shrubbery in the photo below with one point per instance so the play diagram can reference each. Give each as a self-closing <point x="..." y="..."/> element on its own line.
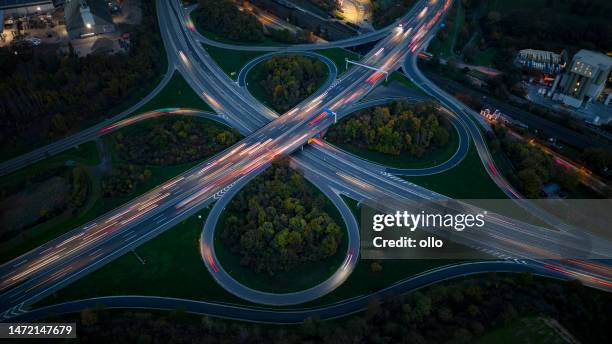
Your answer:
<point x="172" y="141"/>
<point x="399" y="128"/>
<point x="278" y="221"/>
<point x="289" y="79"/>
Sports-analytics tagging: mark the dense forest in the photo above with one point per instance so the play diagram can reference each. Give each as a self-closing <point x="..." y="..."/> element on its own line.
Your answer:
<point x="278" y="221"/>
<point x="123" y="179"/>
<point x="172" y="140"/>
<point x="554" y="24"/>
<point x="289" y="79"/>
<point x="47" y="96"/>
<point x="398" y="128"/>
<point x="532" y="167"/>
<point x="222" y="17"/>
<point x="456" y="312"/>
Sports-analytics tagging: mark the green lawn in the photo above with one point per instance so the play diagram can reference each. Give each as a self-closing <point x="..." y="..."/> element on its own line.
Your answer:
<point x="459" y="182"/>
<point x="432" y="158"/>
<point x="484" y="57"/>
<point x="177" y="93"/>
<point x="256" y="75"/>
<point x="402" y="79"/>
<point x="526" y="330"/>
<point x="443" y="49"/>
<point x="301" y="277"/>
<point x="86" y="155"/>
<point x="231" y="61"/>
<point x="173" y="267"/>
<point x="338" y="55"/>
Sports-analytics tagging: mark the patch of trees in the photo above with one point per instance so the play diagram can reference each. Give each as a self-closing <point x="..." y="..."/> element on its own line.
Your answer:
<point x="532" y="167"/>
<point x="598" y="159"/>
<point x="399" y="128"/>
<point x="279" y="221"/>
<point x="385" y="12"/>
<point x="44" y="96"/>
<point x="123" y="179"/>
<point x="455" y="312"/>
<point x="42" y="196"/>
<point x="222" y="17"/>
<point x="289" y="79"/>
<point x="171" y="140"/>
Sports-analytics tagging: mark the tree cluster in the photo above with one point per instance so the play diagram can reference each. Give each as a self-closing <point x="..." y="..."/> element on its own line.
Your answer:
<point x="551" y="26"/>
<point x="598" y="159"/>
<point x="278" y="221"/>
<point x="532" y="166"/>
<point x="457" y="312"/>
<point x="289" y="79"/>
<point x="67" y="190"/>
<point x="399" y="128"/>
<point x="222" y="17"/>
<point x="171" y="141"/>
<point x="385" y="12"/>
<point x="45" y="96"/>
<point x="123" y="179"/>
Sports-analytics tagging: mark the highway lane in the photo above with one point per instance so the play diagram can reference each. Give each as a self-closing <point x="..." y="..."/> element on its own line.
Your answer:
<point x="285" y="316"/>
<point x="192" y="192"/>
<point x="51" y="266"/>
<point x="505" y="237"/>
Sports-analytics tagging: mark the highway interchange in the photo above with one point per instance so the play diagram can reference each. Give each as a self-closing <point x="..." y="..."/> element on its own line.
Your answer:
<point x="41" y="271"/>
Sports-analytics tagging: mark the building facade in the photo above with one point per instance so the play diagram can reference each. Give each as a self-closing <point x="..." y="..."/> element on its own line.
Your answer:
<point x="543" y="61"/>
<point x="585" y="80"/>
<point x="86" y="18"/>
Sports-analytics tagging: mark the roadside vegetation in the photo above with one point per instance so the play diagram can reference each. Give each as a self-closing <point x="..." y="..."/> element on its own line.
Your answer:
<point x="385" y="12"/>
<point x="460" y="311"/>
<point x="283" y="81"/>
<point x="172" y="140"/>
<point x="405" y="132"/>
<point x="37" y="202"/>
<point x="280" y="233"/>
<point x="531" y="168"/>
<point x="44" y="97"/>
<point x="223" y="20"/>
<point x="62" y="192"/>
<point x="231" y="61"/>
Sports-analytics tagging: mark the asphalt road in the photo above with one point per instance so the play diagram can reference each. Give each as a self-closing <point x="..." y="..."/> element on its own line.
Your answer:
<point x="55" y="264"/>
<point x="282" y="316"/>
<point x="59" y="262"/>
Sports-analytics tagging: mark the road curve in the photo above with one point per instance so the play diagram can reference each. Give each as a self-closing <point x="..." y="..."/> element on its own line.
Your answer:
<point x="225" y="280"/>
<point x="285" y="316"/>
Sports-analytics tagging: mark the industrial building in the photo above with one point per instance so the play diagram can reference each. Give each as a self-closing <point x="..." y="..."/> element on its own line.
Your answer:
<point x="585" y="80"/>
<point x="86" y="18"/>
<point x="543" y="61"/>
